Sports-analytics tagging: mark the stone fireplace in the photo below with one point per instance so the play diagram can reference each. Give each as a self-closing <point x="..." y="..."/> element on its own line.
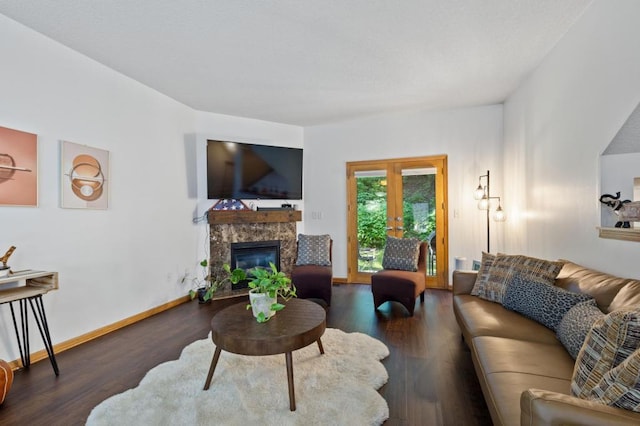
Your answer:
<point x="247" y="226"/>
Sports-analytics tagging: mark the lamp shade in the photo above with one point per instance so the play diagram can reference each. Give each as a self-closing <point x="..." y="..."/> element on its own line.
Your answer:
<point x="479" y="193"/>
<point x="499" y="215"/>
<point x="483" y="204"/>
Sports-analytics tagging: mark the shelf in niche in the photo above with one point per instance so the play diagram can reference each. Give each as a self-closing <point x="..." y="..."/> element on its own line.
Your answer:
<point x="626" y="234"/>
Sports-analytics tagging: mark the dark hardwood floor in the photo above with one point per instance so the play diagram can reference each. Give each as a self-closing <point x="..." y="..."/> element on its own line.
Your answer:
<point x="431" y="376"/>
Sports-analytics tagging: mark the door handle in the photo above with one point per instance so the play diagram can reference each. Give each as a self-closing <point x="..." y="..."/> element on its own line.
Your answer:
<point x="400" y="228"/>
<point x="399" y="218"/>
<point x="389" y="228"/>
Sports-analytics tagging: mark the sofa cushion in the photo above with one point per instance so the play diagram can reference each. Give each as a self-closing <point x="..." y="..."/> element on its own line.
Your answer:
<point x="493" y="285"/>
<point x="603" y="287"/>
<point x="611" y="340"/>
<point x="478" y="317"/>
<point x="629" y="295"/>
<point x="401" y="254"/>
<point x="576" y="324"/>
<point x="314" y="250"/>
<point x="620" y="386"/>
<point x="543" y="303"/>
<point x="507" y="367"/>
<point x="500" y="354"/>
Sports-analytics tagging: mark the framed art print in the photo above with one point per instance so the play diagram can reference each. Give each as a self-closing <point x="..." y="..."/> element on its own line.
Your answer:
<point x="85" y="177"/>
<point x="18" y="168"/>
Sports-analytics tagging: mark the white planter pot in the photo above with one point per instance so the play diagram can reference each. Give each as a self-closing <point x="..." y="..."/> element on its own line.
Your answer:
<point x="261" y="302"/>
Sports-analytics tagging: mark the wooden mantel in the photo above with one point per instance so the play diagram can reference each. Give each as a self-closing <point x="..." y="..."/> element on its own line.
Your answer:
<point x="250" y="216"/>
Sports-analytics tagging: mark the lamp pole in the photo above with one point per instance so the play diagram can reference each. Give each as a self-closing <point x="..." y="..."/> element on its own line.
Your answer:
<point x="488" y="201"/>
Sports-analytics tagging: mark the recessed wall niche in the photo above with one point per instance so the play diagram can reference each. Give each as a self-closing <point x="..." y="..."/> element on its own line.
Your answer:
<point x="620" y="172"/>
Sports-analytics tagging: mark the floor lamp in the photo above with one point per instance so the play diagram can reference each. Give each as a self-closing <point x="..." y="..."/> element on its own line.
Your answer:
<point x="483" y="194"/>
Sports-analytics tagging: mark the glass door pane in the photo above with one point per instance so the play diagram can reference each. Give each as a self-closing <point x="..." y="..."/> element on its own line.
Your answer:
<point x="371" y="190"/>
<point x="419" y="210"/>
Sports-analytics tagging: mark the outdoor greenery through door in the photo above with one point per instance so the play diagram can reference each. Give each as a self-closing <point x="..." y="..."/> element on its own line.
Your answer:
<point x="401" y="198"/>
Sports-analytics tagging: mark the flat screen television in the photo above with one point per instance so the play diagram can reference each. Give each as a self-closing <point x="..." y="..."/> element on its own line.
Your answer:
<point x="248" y="171"/>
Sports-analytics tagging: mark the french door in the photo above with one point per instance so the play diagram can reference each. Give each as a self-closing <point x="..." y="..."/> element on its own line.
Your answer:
<point x="401" y="198"/>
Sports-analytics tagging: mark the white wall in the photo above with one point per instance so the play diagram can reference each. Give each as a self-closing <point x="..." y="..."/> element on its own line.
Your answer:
<point x="556" y="126"/>
<point x="470" y="137"/>
<point x="118" y="262"/>
<point x="236" y="129"/>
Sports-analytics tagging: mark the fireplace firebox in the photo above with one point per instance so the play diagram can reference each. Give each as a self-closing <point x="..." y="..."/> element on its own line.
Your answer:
<point x="254" y="254"/>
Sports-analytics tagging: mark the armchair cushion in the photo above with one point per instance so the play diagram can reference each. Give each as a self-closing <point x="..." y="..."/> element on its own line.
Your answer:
<point x="401" y="254"/>
<point x="314" y="250"/>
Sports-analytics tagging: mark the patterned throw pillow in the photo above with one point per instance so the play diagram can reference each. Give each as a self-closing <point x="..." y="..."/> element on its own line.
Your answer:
<point x="479" y="288"/>
<point x="401" y="254"/>
<point x="543" y="303"/>
<point x="620" y="386"/>
<point x="314" y="250"/>
<point x="575" y="325"/>
<point x="611" y="340"/>
<point x="505" y="267"/>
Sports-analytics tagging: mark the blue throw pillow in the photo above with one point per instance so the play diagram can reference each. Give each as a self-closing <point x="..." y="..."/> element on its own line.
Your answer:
<point x="575" y="325"/>
<point x="544" y="303"/>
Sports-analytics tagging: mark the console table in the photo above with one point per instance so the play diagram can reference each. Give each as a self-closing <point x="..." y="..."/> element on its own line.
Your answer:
<point x="27" y="287"/>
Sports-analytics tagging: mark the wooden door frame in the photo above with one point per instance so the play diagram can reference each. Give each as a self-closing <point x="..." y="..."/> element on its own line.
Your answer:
<point x="442" y="243"/>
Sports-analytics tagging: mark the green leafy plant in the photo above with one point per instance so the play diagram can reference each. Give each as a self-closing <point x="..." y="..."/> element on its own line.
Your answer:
<point x="273" y="283"/>
<point x="211" y="285"/>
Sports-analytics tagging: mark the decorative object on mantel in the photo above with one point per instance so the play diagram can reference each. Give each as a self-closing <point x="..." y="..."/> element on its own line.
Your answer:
<point x="628" y="211"/>
<point x="229" y="204"/>
<point x="483" y="194"/>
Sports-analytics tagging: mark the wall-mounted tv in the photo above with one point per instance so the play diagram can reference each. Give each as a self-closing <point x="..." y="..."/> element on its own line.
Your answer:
<point x="248" y="171"/>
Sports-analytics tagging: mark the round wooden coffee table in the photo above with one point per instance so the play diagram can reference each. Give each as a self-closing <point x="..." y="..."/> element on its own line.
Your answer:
<point x="234" y="329"/>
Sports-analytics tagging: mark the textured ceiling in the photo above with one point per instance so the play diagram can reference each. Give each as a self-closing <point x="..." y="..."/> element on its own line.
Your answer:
<point x="309" y="62"/>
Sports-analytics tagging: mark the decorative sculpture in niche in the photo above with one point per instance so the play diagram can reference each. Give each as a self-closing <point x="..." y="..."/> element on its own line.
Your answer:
<point x="628" y="211"/>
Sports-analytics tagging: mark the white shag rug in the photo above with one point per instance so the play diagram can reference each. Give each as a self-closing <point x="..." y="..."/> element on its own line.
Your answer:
<point x="337" y="388"/>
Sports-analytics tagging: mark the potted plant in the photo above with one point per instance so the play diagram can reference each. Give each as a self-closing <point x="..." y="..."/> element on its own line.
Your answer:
<point x="266" y="286"/>
<point x="205" y="288"/>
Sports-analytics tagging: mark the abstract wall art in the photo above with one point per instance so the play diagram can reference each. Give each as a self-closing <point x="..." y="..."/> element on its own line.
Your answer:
<point x="85" y="177"/>
<point x="18" y="168"/>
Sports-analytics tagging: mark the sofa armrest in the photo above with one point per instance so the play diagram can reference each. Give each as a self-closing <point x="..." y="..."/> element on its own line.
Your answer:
<point x="463" y="281"/>
<point x="542" y="407"/>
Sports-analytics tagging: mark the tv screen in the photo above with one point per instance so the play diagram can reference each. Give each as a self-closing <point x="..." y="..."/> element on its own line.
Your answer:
<point x="248" y="171"/>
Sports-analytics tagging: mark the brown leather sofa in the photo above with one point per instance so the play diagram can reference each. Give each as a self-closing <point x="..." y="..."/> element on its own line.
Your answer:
<point x="523" y="369"/>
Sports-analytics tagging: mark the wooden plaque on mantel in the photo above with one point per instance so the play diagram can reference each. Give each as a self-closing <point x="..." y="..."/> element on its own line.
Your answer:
<point x="250" y="216"/>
